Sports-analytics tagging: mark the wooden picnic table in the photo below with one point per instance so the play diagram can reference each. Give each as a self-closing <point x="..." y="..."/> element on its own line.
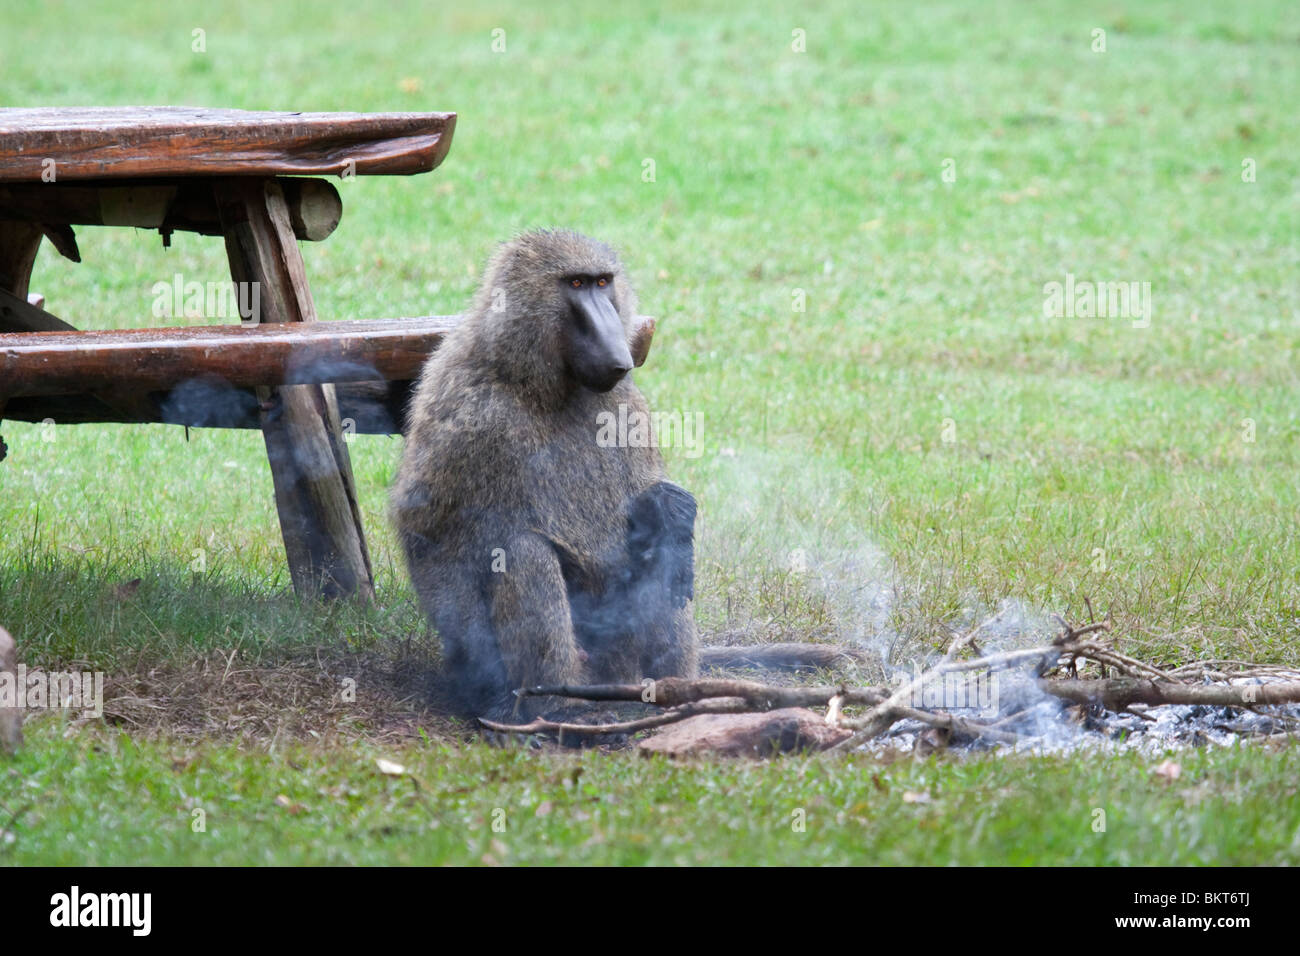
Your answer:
<point x="235" y="174"/>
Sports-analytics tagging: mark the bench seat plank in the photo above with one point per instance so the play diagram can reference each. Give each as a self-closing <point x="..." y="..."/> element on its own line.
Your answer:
<point x="281" y="353"/>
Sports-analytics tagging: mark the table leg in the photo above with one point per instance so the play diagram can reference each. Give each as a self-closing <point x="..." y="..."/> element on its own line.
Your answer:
<point x="19" y="242"/>
<point x="315" y="493"/>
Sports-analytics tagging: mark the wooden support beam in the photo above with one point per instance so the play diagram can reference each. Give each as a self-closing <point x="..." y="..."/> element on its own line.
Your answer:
<point x="17" y="314"/>
<point x="315" y="208"/>
<point x="366" y="408"/>
<point x="315" y="493"/>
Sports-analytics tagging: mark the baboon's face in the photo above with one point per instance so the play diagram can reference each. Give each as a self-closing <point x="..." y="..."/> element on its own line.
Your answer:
<point x="595" y="343"/>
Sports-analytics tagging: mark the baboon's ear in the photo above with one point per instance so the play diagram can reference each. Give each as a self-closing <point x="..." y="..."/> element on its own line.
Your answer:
<point x="643" y="330"/>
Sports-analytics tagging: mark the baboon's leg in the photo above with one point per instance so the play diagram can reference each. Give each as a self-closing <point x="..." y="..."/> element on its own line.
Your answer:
<point x="471" y="657"/>
<point x="531" y="617"/>
<point x="453" y="600"/>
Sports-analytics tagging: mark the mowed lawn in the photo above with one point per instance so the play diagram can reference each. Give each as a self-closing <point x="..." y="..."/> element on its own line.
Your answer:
<point x="846" y="222"/>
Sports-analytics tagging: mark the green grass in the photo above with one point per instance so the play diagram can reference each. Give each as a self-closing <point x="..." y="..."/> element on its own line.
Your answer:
<point x="105" y="798"/>
<point x="775" y="171"/>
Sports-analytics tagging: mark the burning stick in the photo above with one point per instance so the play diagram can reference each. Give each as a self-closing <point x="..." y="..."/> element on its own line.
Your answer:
<point x="1139" y="683"/>
<point x="675" y="691"/>
<point x="1117" y="693"/>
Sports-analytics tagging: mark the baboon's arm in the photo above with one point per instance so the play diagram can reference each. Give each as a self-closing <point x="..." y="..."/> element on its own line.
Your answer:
<point x="530" y="615"/>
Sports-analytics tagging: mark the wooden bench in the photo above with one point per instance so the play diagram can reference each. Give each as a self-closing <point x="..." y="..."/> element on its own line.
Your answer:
<point x="216" y="172"/>
<point x="69" y="377"/>
<point x="305" y="384"/>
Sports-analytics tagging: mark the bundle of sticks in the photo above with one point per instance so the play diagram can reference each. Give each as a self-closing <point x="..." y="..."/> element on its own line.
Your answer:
<point x="1053" y="668"/>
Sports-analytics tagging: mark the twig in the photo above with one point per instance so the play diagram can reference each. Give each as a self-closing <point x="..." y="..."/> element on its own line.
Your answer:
<point x="960" y="725"/>
<point x="721" y="705"/>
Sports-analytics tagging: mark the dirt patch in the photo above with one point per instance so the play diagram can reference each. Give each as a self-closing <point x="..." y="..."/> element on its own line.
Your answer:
<point x="328" y="696"/>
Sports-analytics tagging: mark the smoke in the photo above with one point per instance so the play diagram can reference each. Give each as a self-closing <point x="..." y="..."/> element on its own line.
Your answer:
<point x="209" y="402"/>
<point x="367" y="403"/>
<point x="784" y="556"/>
<point x="779" y="558"/>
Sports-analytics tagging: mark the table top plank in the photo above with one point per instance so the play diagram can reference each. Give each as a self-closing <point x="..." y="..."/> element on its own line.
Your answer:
<point x="179" y="141"/>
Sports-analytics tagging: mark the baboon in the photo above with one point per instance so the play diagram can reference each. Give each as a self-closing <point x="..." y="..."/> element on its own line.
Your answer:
<point x="539" y="556"/>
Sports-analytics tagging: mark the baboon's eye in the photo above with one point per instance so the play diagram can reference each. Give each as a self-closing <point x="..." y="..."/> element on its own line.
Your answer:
<point x="576" y="283"/>
<point x="602" y="282"/>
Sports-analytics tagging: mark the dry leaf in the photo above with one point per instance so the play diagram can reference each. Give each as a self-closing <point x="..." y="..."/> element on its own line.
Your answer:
<point x="293" y="808"/>
<point x="1168" y="771"/>
<point x="125" y="591"/>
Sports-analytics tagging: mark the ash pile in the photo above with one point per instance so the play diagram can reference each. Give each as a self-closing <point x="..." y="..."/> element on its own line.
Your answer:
<point x="1049" y="725"/>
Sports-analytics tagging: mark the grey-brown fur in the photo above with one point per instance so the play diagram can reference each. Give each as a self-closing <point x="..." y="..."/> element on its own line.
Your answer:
<point x="501" y="468"/>
<point x="11" y="718"/>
